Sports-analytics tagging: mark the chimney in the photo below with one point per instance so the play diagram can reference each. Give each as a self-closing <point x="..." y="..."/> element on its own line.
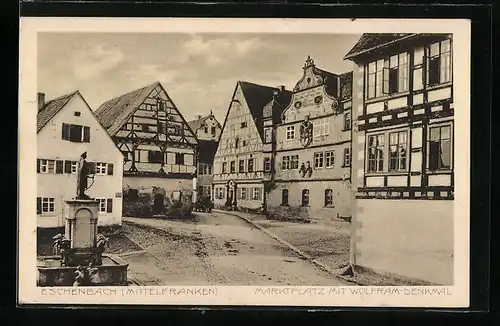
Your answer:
<point x="282" y="88"/>
<point x="40" y="100"/>
<point x="198" y="117"/>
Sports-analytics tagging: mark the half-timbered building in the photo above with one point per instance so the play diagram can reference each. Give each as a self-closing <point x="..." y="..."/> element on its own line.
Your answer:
<point x="403" y="155"/>
<point x="239" y="161"/>
<point x="311" y="141"/>
<point x="67" y="128"/>
<point x="207" y="130"/>
<point x="158" y="144"/>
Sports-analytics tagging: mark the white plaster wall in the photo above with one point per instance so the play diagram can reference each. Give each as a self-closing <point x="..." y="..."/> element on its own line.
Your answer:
<point x="63" y="186"/>
<point x="410" y="238"/>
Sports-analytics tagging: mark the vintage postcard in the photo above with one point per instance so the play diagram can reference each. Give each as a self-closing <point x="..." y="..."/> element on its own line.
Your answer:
<point x="266" y="162"/>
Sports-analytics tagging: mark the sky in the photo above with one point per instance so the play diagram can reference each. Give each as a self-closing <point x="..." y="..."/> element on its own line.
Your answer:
<point x="198" y="71"/>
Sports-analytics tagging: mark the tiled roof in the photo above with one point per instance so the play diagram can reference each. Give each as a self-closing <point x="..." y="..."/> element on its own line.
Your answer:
<point x="197" y="123"/>
<point x="369" y="41"/>
<point x="50" y="109"/>
<point x="257" y="96"/>
<point x="115" y="112"/>
<point x="207" y="150"/>
<point x="346" y="86"/>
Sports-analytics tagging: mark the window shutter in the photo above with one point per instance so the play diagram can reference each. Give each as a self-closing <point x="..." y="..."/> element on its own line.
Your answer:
<point x="38" y="166"/>
<point x="109" y="205"/>
<point x="425" y="65"/>
<point x="65" y="131"/>
<point x="110" y="169"/>
<point x="38" y="205"/>
<point x="59" y="167"/>
<point x="86" y="134"/>
<point x="67" y="166"/>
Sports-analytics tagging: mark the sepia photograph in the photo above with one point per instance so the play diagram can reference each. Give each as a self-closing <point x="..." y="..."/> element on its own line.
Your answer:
<point x="292" y="163"/>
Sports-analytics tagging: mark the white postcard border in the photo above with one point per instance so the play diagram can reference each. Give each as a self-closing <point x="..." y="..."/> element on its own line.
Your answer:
<point x="452" y="296"/>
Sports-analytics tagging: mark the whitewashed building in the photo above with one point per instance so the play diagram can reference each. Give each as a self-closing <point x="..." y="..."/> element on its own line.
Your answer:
<point x="66" y="128"/>
<point x="403" y="173"/>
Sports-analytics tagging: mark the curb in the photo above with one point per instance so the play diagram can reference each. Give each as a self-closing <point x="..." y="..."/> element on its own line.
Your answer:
<point x="299" y="252"/>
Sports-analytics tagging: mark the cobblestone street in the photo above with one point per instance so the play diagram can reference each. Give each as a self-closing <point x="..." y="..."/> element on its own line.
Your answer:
<point x="214" y="249"/>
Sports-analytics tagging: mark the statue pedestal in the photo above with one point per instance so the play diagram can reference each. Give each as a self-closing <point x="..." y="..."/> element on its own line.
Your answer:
<point x="81" y="229"/>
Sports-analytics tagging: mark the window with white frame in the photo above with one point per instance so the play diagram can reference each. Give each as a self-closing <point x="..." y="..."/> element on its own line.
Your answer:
<point x="294" y="162"/>
<point x="396" y="75"/>
<point x="439" y="67"/>
<point x="101" y="168"/>
<point x="224" y="167"/>
<point x="285" y="163"/>
<point x="440" y="147"/>
<point x="256" y="194"/>
<point x="328" y="197"/>
<point x="329" y="159"/>
<point x="232" y="167"/>
<point x="375" y="71"/>
<point x="74" y="166"/>
<point x="376" y="153"/>
<point x="321" y="127"/>
<point x="45" y="205"/>
<point x="347" y="156"/>
<point x="243" y="193"/>
<point x="318" y="160"/>
<point x="387" y="76"/>
<point x="44" y="166"/>
<point x="398" y="151"/>
<point x="290" y="132"/>
<point x="105" y="205"/>
<point x="241" y="166"/>
<point x="219" y="193"/>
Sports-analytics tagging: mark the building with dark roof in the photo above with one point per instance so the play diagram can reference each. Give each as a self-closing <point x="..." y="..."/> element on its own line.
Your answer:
<point x="66" y="128"/>
<point x="238" y="163"/>
<point x="403" y="174"/>
<point x="207" y="130"/>
<point x="157" y="142"/>
<point x="308" y="146"/>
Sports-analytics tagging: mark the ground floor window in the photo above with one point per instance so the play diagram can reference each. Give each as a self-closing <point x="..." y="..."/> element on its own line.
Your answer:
<point x="284" y="197"/>
<point x="305" y="197"/>
<point x="328" y="197"/>
<point x="243" y="193"/>
<point x="105" y="205"/>
<point x="45" y="205"/>
<point x="440" y="148"/>
<point x="256" y="193"/>
<point x="219" y="193"/>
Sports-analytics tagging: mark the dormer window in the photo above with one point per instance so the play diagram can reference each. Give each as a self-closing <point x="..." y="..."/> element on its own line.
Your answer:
<point x="298" y="104"/>
<point x="244" y="124"/>
<point x="77" y="113"/>
<point x="318" y="99"/>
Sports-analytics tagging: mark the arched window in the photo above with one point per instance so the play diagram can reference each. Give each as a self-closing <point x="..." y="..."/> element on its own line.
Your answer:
<point x="284" y="197"/>
<point x="328" y="197"/>
<point x="305" y="197"/>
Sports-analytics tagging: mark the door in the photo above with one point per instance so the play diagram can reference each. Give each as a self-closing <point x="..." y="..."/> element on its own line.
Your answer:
<point x="158" y="204"/>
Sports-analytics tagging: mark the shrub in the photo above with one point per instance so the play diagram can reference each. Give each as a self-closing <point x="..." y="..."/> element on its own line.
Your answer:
<point x="180" y="209"/>
<point x="139" y="208"/>
<point x="288" y="214"/>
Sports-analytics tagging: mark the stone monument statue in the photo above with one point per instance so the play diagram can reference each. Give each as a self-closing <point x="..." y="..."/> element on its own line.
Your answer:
<point x="84" y="172"/>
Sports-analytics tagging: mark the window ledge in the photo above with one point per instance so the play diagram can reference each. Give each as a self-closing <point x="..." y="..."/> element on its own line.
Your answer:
<point x="438" y="86"/>
<point x="444" y="171"/>
<point x="47" y="214"/>
<point x="386" y="97"/>
<point x="386" y="173"/>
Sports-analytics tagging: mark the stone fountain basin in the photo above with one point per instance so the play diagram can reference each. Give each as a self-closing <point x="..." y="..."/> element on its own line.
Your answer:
<point x="112" y="272"/>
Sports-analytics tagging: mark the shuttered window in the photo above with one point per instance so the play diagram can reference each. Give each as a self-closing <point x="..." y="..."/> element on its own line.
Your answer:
<point x="75" y="133"/>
